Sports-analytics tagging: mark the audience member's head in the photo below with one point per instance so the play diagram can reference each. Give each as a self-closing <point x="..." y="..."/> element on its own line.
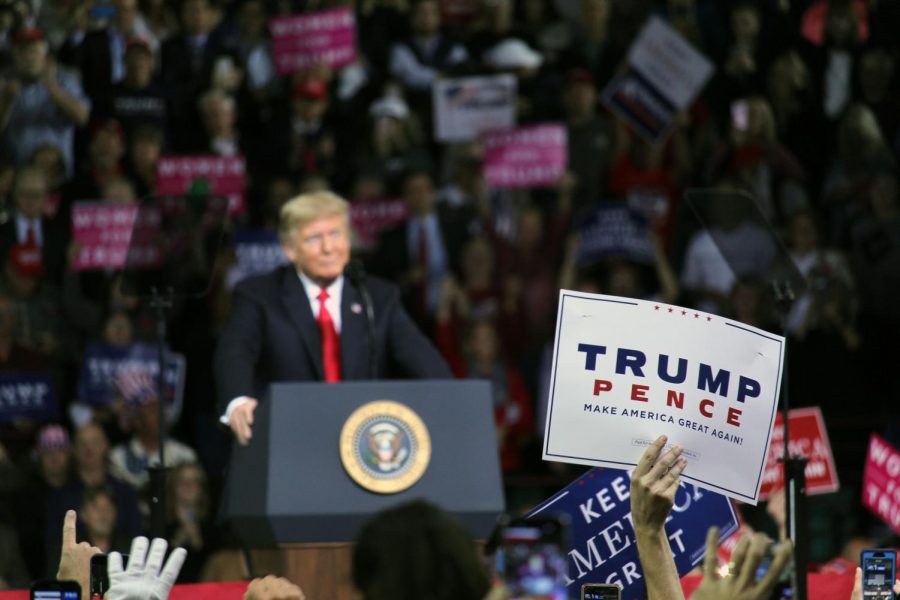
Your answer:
<point x="197" y="17"/>
<point x="139" y="64"/>
<point x="54" y="454"/>
<point x="188" y="491"/>
<point x="107" y="146"/>
<point x="219" y="113"/>
<point x="30" y="192"/>
<point x="49" y="159"/>
<point x="425" y="18"/>
<point x="417" y="551"/>
<point x="30" y="52"/>
<point x="418" y="193"/>
<point x="91" y="449"/>
<point x="98" y="514"/>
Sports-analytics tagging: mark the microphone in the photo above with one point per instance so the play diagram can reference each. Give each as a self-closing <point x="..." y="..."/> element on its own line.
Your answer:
<point x="356" y="274"/>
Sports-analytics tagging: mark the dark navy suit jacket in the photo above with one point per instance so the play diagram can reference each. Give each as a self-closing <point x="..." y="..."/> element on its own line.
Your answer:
<point x="272" y="336"/>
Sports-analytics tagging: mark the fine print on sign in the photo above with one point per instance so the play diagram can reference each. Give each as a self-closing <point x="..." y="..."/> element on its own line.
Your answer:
<point x="626" y="371"/>
<point x="881" y="481"/>
<point x="809" y="439"/>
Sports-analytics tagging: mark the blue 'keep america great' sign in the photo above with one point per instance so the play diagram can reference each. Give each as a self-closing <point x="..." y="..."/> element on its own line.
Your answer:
<point x="603" y="547"/>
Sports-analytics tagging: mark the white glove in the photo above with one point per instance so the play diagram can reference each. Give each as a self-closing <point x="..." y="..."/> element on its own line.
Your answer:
<point x="143" y="579"/>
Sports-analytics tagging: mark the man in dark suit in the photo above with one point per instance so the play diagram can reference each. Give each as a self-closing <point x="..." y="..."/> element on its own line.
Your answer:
<point x="30" y="227"/>
<point x="187" y="64"/>
<point x="307" y="322"/>
<point x="420" y="252"/>
<point x="100" y="54"/>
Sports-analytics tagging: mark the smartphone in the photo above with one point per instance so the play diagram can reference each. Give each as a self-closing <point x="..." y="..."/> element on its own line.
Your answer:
<point x="784" y="589"/>
<point x="532" y="557"/>
<point x="100" y="573"/>
<point x="55" y="590"/>
<point x="879" y="569"/>
<point x="600" y="591"/>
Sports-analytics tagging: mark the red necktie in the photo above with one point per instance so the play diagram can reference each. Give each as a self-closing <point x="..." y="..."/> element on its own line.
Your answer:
<point x="331" y="342"/>
<point x="30" y="235"/>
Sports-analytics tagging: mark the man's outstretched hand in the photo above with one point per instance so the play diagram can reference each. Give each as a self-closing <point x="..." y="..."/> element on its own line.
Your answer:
<point x="241" y="421"/>
<point x="75" y="559"/>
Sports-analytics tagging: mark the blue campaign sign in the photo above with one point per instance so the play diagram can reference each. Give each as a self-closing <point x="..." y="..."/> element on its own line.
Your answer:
<point x="27" y="395"/>
<point x="603" y="547"/>
<point x="109" y="372"/>
<point x="257" y="251"/>
<point x="615" y="231"/>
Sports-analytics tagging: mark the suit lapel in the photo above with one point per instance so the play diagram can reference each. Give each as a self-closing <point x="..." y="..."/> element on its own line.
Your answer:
<point x="296" y="303"/>
<point x="354" y="340"/>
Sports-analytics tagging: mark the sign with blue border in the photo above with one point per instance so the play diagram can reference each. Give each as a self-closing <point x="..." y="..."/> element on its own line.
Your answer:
<point x="626" y="371"/>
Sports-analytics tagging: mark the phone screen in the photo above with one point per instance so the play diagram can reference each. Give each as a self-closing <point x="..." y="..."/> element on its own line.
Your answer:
<point x="55" y="590"/>
<point x="532" y="559"/>
<point x="600" y="591"/>
<point x="879" y="571"/>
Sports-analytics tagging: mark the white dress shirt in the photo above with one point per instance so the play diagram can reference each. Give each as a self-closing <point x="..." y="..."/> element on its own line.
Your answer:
<point x="22" y="223"/>
<point x="312" y="289"/>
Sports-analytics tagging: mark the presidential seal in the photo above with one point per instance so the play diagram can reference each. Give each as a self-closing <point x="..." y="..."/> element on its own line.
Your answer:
<point x="385" y="447"/>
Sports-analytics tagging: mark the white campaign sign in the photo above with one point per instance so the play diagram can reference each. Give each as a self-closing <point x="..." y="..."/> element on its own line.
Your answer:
<point x="626" y="371"/>
<point x="671" y="65"/>
<point x="466" y="107"/>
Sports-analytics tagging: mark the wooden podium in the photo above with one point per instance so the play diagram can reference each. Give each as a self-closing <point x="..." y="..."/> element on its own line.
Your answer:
<point x="292" y="503"/>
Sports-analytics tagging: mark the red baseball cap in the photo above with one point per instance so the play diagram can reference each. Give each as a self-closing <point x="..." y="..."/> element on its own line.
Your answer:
<point x="25" y="259"/>
<point x="579" y="76"/>
<point x="310" y="89"/>
<point x="27" y="35"/>
<point x="138" y="43"/>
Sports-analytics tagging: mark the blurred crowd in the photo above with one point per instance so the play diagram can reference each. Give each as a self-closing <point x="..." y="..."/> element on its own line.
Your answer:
<point x="802" y="112"/>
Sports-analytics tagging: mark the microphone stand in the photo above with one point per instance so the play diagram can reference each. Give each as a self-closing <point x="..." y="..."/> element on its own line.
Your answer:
<point x="796" y="520"/>
<point x="160" y="302"/>
<point x="357" y="275"/>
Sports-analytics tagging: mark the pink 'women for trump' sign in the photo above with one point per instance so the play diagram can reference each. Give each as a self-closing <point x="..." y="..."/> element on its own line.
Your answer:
<point x="534" y="156"/>
<point x="303" y="41"/>
<point x="220" y="175"/>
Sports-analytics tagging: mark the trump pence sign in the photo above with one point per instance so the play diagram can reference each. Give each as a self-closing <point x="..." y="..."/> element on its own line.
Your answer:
<point x="626" y="371"/>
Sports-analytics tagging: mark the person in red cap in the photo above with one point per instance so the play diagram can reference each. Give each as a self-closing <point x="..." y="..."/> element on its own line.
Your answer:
<point x="590" y="138"/>
<point x="311" y="143"/>
<point x="39" y="104"/>
<point x="40" y="325"/>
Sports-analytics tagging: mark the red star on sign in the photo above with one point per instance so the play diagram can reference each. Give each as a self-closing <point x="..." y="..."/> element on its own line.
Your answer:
<point x="656" y="308"/>
<point x="684" y="312"/>
<point x="670" y="310"/>
<point x="709" y="318"/>
<point x="696" y="316"/>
